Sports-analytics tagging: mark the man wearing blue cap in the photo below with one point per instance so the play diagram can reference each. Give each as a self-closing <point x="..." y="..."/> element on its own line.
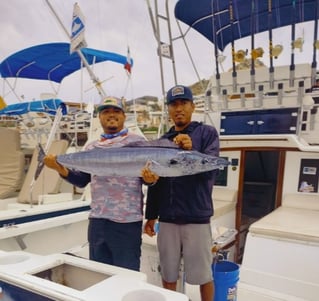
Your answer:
<point x="183" y="205"/>
<point x="115" y="220"/>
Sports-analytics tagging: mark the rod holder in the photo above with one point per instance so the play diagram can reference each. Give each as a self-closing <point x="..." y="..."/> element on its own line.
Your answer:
<point x="260" y="97"/>
<point x="242" y="97"/>
<point x="280" y="93"/>
<point x="225" y="101"/>
<point x="301" y="92"/>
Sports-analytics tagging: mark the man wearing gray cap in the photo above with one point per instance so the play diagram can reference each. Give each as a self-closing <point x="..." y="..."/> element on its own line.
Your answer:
<point x="115" y="220"/>
<point x="183" y="205"/>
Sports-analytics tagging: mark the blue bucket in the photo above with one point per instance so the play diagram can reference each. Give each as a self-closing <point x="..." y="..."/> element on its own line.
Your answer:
<point x="226" y="276"/>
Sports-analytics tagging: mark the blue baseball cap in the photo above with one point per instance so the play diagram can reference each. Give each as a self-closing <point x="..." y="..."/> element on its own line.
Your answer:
<point x="179" y="92"/>
<point x="110" y="101"/>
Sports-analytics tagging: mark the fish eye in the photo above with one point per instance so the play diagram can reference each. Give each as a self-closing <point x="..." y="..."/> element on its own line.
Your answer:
<point x="204" y="161"/>
<point x="173" y="161"/>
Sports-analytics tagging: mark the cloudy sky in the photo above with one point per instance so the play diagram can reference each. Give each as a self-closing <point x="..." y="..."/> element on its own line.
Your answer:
<point x="112" y="25"/>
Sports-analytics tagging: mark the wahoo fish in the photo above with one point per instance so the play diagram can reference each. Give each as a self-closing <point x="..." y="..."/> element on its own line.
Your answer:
<point x="163" y="157"/>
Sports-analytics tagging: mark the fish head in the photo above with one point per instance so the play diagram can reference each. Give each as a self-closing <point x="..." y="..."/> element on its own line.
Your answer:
<point x="185" y="163"/>
<point x="180" y="164"/>
<point x="193" y="162"/>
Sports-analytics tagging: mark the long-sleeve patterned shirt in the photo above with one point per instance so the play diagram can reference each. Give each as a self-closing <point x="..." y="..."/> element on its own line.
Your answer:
<point x="118" y="199"/>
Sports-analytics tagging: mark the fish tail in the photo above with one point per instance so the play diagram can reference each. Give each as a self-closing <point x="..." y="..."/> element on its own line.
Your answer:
<point x="41" y="155"/>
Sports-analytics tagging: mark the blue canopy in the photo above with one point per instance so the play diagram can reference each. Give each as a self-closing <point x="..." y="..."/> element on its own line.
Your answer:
<point x="48" y="106"/>
<point x="52" y="61"/>
<point x="212" y="19"/>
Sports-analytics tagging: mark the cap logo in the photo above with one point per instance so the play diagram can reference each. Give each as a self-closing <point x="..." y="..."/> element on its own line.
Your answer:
<point x="111" y="101"/>
<point x="178" y="91"/>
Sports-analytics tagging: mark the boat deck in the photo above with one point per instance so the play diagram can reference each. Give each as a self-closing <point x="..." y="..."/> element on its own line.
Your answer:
<point x="281" y="252"/>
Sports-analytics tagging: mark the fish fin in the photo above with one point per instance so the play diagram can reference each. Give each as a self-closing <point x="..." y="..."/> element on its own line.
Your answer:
<point x="41" y="155"/>
<point x="165" y="143"/>
<point x="150" y="163"/>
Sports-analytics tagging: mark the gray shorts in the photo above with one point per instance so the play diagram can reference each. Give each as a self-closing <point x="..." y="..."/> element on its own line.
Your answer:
<point x="193" y="242"/>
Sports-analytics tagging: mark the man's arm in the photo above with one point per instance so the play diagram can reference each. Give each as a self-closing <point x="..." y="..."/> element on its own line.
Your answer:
<point x="74" y="177"/>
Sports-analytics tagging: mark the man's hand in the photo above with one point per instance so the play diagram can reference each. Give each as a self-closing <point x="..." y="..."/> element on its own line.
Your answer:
<point x="149" y="227"/>
<point x="50" y="161"/>
<point x="148" y="176"/>
<point x="184" y="141"/>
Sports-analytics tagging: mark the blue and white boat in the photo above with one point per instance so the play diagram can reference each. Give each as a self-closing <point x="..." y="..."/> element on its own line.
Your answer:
<point x="268" y="121"/>
<point x="33" y="210"/>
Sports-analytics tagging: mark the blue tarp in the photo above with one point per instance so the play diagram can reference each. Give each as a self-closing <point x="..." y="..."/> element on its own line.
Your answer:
<point x="212" y="19"/>
<point x="48" y="106"/>
<point x="52" y="61"/>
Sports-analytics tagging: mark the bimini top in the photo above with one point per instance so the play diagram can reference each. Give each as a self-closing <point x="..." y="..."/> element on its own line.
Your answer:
<point x="48" y="106"/>
<point x="213" y="20"/>
<point x="52" y="61"/>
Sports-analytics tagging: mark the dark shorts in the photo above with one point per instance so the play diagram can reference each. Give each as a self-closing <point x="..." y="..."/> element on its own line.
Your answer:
<point x="193" y="243"/>
<point x="114" y="243"/>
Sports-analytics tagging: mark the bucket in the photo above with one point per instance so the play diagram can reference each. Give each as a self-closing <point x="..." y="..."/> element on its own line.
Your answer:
<point x="226" y="276"/>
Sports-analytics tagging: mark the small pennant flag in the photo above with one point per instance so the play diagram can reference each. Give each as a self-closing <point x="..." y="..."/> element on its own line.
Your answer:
<point x="128" y="64"/>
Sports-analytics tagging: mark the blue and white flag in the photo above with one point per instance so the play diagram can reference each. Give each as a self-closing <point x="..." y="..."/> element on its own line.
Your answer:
<point x="77" y="31"/>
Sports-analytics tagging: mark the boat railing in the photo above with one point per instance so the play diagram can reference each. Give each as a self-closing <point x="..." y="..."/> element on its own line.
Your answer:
<point x="298" y="97"/>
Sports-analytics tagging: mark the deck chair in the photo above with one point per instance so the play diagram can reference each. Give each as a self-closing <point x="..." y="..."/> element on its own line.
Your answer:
<point x="48" y="182"/>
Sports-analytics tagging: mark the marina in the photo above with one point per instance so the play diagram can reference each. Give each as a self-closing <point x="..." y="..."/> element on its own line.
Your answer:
<point x="266" y="201"/>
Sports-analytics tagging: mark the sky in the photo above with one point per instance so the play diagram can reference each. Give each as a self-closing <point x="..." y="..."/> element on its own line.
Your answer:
<point x="111" y="25"/>
<point x="114" y="25"/>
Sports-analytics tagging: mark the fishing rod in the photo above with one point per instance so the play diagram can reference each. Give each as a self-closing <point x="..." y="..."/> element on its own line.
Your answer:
<point x="216" y="52"/>
<point x="252" y="63"/>
<point x="271" y="61"/>
<point x="231" y="18"/>
<point x="293" y="32"/>
<point x="315" y="37"/>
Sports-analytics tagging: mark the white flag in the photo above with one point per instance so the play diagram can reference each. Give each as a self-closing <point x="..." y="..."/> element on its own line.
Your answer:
<point x="77" y="31"/>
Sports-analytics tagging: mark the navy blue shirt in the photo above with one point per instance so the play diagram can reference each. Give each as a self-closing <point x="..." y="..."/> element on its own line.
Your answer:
<point x="186" y="199"/>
